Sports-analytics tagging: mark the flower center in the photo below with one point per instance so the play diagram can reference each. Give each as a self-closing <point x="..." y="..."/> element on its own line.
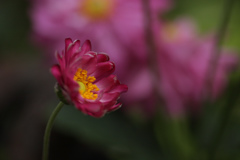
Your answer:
<point x="97" y="9"/>
<point x="170" y="32"/>
<point x="86" y="88"/>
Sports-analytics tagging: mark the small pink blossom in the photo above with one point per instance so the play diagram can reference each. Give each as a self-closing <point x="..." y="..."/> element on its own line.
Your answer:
<point x="184" y="61"/>
<point x="85" y="79"/>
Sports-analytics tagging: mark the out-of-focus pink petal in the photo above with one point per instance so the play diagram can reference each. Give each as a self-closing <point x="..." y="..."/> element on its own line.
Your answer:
<point x="140" y="85"/>
<point x="120" y="34"/>
<point x="184" y="61"/>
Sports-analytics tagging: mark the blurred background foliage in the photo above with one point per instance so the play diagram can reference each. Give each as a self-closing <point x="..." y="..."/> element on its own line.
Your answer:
<point x="27" y="98"/>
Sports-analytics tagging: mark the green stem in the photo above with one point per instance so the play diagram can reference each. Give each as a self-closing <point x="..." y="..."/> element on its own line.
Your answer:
<point x="48" y="130"/>
<point x="226" y="15"/>
<point x="151" y="49"/>
<point x="211" y="72"/>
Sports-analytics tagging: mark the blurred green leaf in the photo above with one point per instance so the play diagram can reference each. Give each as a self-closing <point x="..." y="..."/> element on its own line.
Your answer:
<point x="207" y="14"/>
<point x="175" y="138"/>
<point x="113" y="133"/>
<point x="14" y="27"/>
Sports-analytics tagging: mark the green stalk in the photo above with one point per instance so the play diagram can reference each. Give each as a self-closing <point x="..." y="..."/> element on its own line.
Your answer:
<point x="226" y="15"/>
<point x="210" y="74"/>
<point x="48" y="130"/>
<point x="151" y="47"/>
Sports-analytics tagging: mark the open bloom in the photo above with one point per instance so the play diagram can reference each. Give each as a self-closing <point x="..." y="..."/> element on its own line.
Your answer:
<point x="120" y="22"/>
<point x="184" y="61"/>
<point x="85" y="79"/>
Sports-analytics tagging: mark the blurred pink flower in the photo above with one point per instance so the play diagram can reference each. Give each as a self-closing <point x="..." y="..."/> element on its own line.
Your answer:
<point x="114" y="26"/>
<point x="85" y="80"/>
<point x="184" y="59"/>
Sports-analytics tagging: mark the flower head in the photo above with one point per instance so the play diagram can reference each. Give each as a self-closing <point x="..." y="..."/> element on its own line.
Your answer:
<point x="120" y="22"/>
<point x="184" y="61"/>
<point x="85" y="79"/>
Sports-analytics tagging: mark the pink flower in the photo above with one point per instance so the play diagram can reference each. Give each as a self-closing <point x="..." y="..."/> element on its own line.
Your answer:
<point x="119" y="22"/>
<point x="184" y="60"/>
<point x="85" y="79"/>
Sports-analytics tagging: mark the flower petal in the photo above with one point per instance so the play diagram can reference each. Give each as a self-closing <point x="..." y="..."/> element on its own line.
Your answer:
<point x="108" y="97"/>
<point x="121" y="88"/>
<point x="98" y="114"/>
<point x="56" y="71"/>
<point x="102" y="57"/>
<point x="87" y="62"/>
<point x="107" y="83"/>
<point x="72" y="51"/>
<point x="93" y="109"/>
<point x="68" y="42"/>
<point x="86" y="46"/>
<point x="60" y="59"/>
<point x="104" y="69"/>
<point x="115" y="107"/>
<point x="111" y="85"/>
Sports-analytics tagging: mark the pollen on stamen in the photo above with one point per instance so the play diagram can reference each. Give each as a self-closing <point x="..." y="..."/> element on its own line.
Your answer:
<point x="87" y="90"/>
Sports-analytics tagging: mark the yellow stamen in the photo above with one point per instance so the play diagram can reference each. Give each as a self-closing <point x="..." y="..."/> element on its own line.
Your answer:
<point x="86" y="88"/>
<point x="97" y="9"/>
